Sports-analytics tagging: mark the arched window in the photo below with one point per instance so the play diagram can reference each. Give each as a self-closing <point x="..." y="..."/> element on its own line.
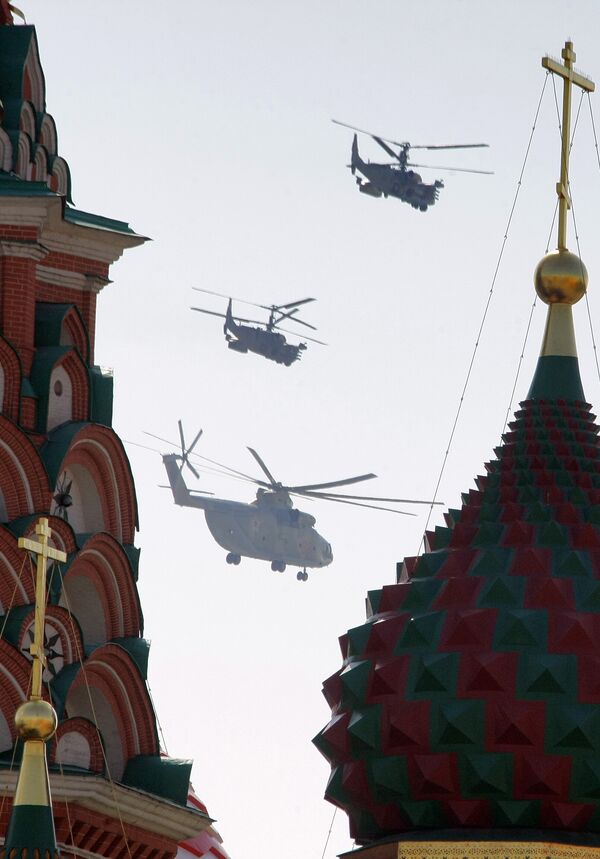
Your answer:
<point x="5" y="151"/>
<point x="60" y="398"/>
<point x="48" y="134"/>
<point x="40" y="166"/>
<point x="85" y="515"/>
<point x="27" y="121"/>
<point x="23" y="169"/>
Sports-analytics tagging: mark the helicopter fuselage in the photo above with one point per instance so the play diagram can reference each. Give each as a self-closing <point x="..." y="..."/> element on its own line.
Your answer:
<point x="263" y="341"/>
<point x="394" y="180"/>
<point x="268" y="529"/>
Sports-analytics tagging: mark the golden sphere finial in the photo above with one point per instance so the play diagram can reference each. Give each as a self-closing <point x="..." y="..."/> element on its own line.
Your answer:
<point x="561" y="278"/>
<point x="36" y="720"/>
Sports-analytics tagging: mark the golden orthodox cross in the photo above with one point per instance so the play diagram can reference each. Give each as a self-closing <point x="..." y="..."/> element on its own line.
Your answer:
<point x="43" y="552"/>
<point x="569" y="77"/>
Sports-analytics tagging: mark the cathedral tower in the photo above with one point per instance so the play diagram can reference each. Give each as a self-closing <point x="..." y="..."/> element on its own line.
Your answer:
<point x="114" y="794"/>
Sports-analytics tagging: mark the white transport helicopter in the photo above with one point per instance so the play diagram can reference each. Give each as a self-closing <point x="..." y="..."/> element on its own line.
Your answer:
<point x="269" y="528"/>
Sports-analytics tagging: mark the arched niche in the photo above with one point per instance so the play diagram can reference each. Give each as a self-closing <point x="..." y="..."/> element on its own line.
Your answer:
<point x="60" y="176"/>
<point x="78" y="743"/>
<point x="47" y="135"/>
<point x="102" y="489"/>
<point x="6" y="152"/>
<point x="110" y="692"/>
<point x="99" y="590"/>
<point x="60" y="398"/>
<point x="40" y="165"/>
<point x="58" y="324"/>
<point x="23" y="479"/>
<point x="23" y="166"/>
<point x="27" y="120"/>
<point x="86" y="511"/>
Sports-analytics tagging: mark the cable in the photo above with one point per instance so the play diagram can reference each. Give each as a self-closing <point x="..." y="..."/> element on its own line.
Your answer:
<point x="484" y="317"/>
<point x="95" y="717"/>
<point x="329" y="833"/>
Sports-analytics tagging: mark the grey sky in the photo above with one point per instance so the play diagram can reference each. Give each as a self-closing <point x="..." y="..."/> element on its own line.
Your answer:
<point x="207" y="126"/>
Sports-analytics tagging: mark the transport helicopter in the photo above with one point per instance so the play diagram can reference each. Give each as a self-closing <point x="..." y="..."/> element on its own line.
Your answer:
<point x="270" y="528"/>
<point x="266" y="340"/>
<point x="398" y="179"/>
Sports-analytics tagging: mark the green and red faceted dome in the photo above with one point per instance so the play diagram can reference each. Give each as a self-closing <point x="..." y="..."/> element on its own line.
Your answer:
<point x="469" y="701"/>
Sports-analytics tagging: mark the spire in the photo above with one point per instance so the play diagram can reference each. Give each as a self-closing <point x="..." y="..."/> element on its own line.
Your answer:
<point x="561" y="277"/>
<point x="31" y="827"/>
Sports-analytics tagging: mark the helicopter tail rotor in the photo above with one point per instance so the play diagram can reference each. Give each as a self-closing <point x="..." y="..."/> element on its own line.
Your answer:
<point x="185" y="452"/>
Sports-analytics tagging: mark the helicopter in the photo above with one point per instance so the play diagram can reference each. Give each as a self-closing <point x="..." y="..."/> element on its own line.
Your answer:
<point x="397" y="179"/>
<point x="269" y="528"/>
<point x="266" y="340"/>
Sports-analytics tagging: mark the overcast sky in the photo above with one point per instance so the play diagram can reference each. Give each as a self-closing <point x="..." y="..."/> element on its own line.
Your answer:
<point x="207" y="127"/>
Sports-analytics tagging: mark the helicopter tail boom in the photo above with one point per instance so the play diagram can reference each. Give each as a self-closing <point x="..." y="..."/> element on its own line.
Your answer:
<point x="181" y="494"/>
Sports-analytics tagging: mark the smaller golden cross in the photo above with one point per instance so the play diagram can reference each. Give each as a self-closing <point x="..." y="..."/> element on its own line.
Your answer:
<point x="569" y="77"/>
<point x="43" y="552"/>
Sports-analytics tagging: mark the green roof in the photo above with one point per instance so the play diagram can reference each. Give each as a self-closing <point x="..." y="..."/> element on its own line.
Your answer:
<point x="12" y="186"/>
<point x="87" y="219"/>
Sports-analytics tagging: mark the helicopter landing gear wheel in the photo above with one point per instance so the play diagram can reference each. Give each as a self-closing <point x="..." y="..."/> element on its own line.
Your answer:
<point x="423" y="208"/>
<point x="278" y="566"/>
<point x="302" y="576"/>
<point x="233" y="558"/>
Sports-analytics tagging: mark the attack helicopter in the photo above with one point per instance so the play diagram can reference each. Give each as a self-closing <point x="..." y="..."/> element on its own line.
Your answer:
<point x="397" y="179"/>
<point x="266" y="340"/>
<point x="270" y="528"/>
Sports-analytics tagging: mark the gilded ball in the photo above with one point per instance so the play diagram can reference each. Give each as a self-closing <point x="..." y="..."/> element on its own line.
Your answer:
<point x="561" y="278"/>
<point x="36" y="720"/>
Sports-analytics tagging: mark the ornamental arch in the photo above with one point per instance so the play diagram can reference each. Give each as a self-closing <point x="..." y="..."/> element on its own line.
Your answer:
<point x="109" y="691"/>
<point x="98" y="589"/>
<point x="23" y="480"/>
<point x="101" y="484"/>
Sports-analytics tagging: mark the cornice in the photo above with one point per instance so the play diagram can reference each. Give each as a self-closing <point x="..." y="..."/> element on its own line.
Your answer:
<point x="71" y="279"/>
<point x="23" y="249"/>
<point x="104" y="245"/>
<point x="135" y="807"/>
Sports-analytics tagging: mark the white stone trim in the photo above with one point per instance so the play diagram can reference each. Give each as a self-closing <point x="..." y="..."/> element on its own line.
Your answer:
<point x="25" y="250"/>
<point x="61" y="277"/>
<point x="136" y="807"/>
<point x="91" y="242"/>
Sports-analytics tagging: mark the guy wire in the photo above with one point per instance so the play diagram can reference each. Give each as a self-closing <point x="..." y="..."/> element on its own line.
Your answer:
<point x="93" y="709"/>
<point x="484" y="317"/>
<point x="329" y="833"/>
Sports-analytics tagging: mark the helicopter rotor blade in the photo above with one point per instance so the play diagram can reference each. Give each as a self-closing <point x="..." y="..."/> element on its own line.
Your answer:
<point x="290" y="315"/>
<point x="232" y="297"/>
<point x="457" y="169"/>
<point x="334" y="495"/>
<point x="359" y="504"/>
<point x="223" y="316"/>
<point x="181" y="436"/>
<point x="194" y="443"/>
<point x="385" y="147"/>
<point x="453" y="146"/>
<point x="259" y="459"/>
<point x="290" y="304"/>
<point x="346" y="482"/>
